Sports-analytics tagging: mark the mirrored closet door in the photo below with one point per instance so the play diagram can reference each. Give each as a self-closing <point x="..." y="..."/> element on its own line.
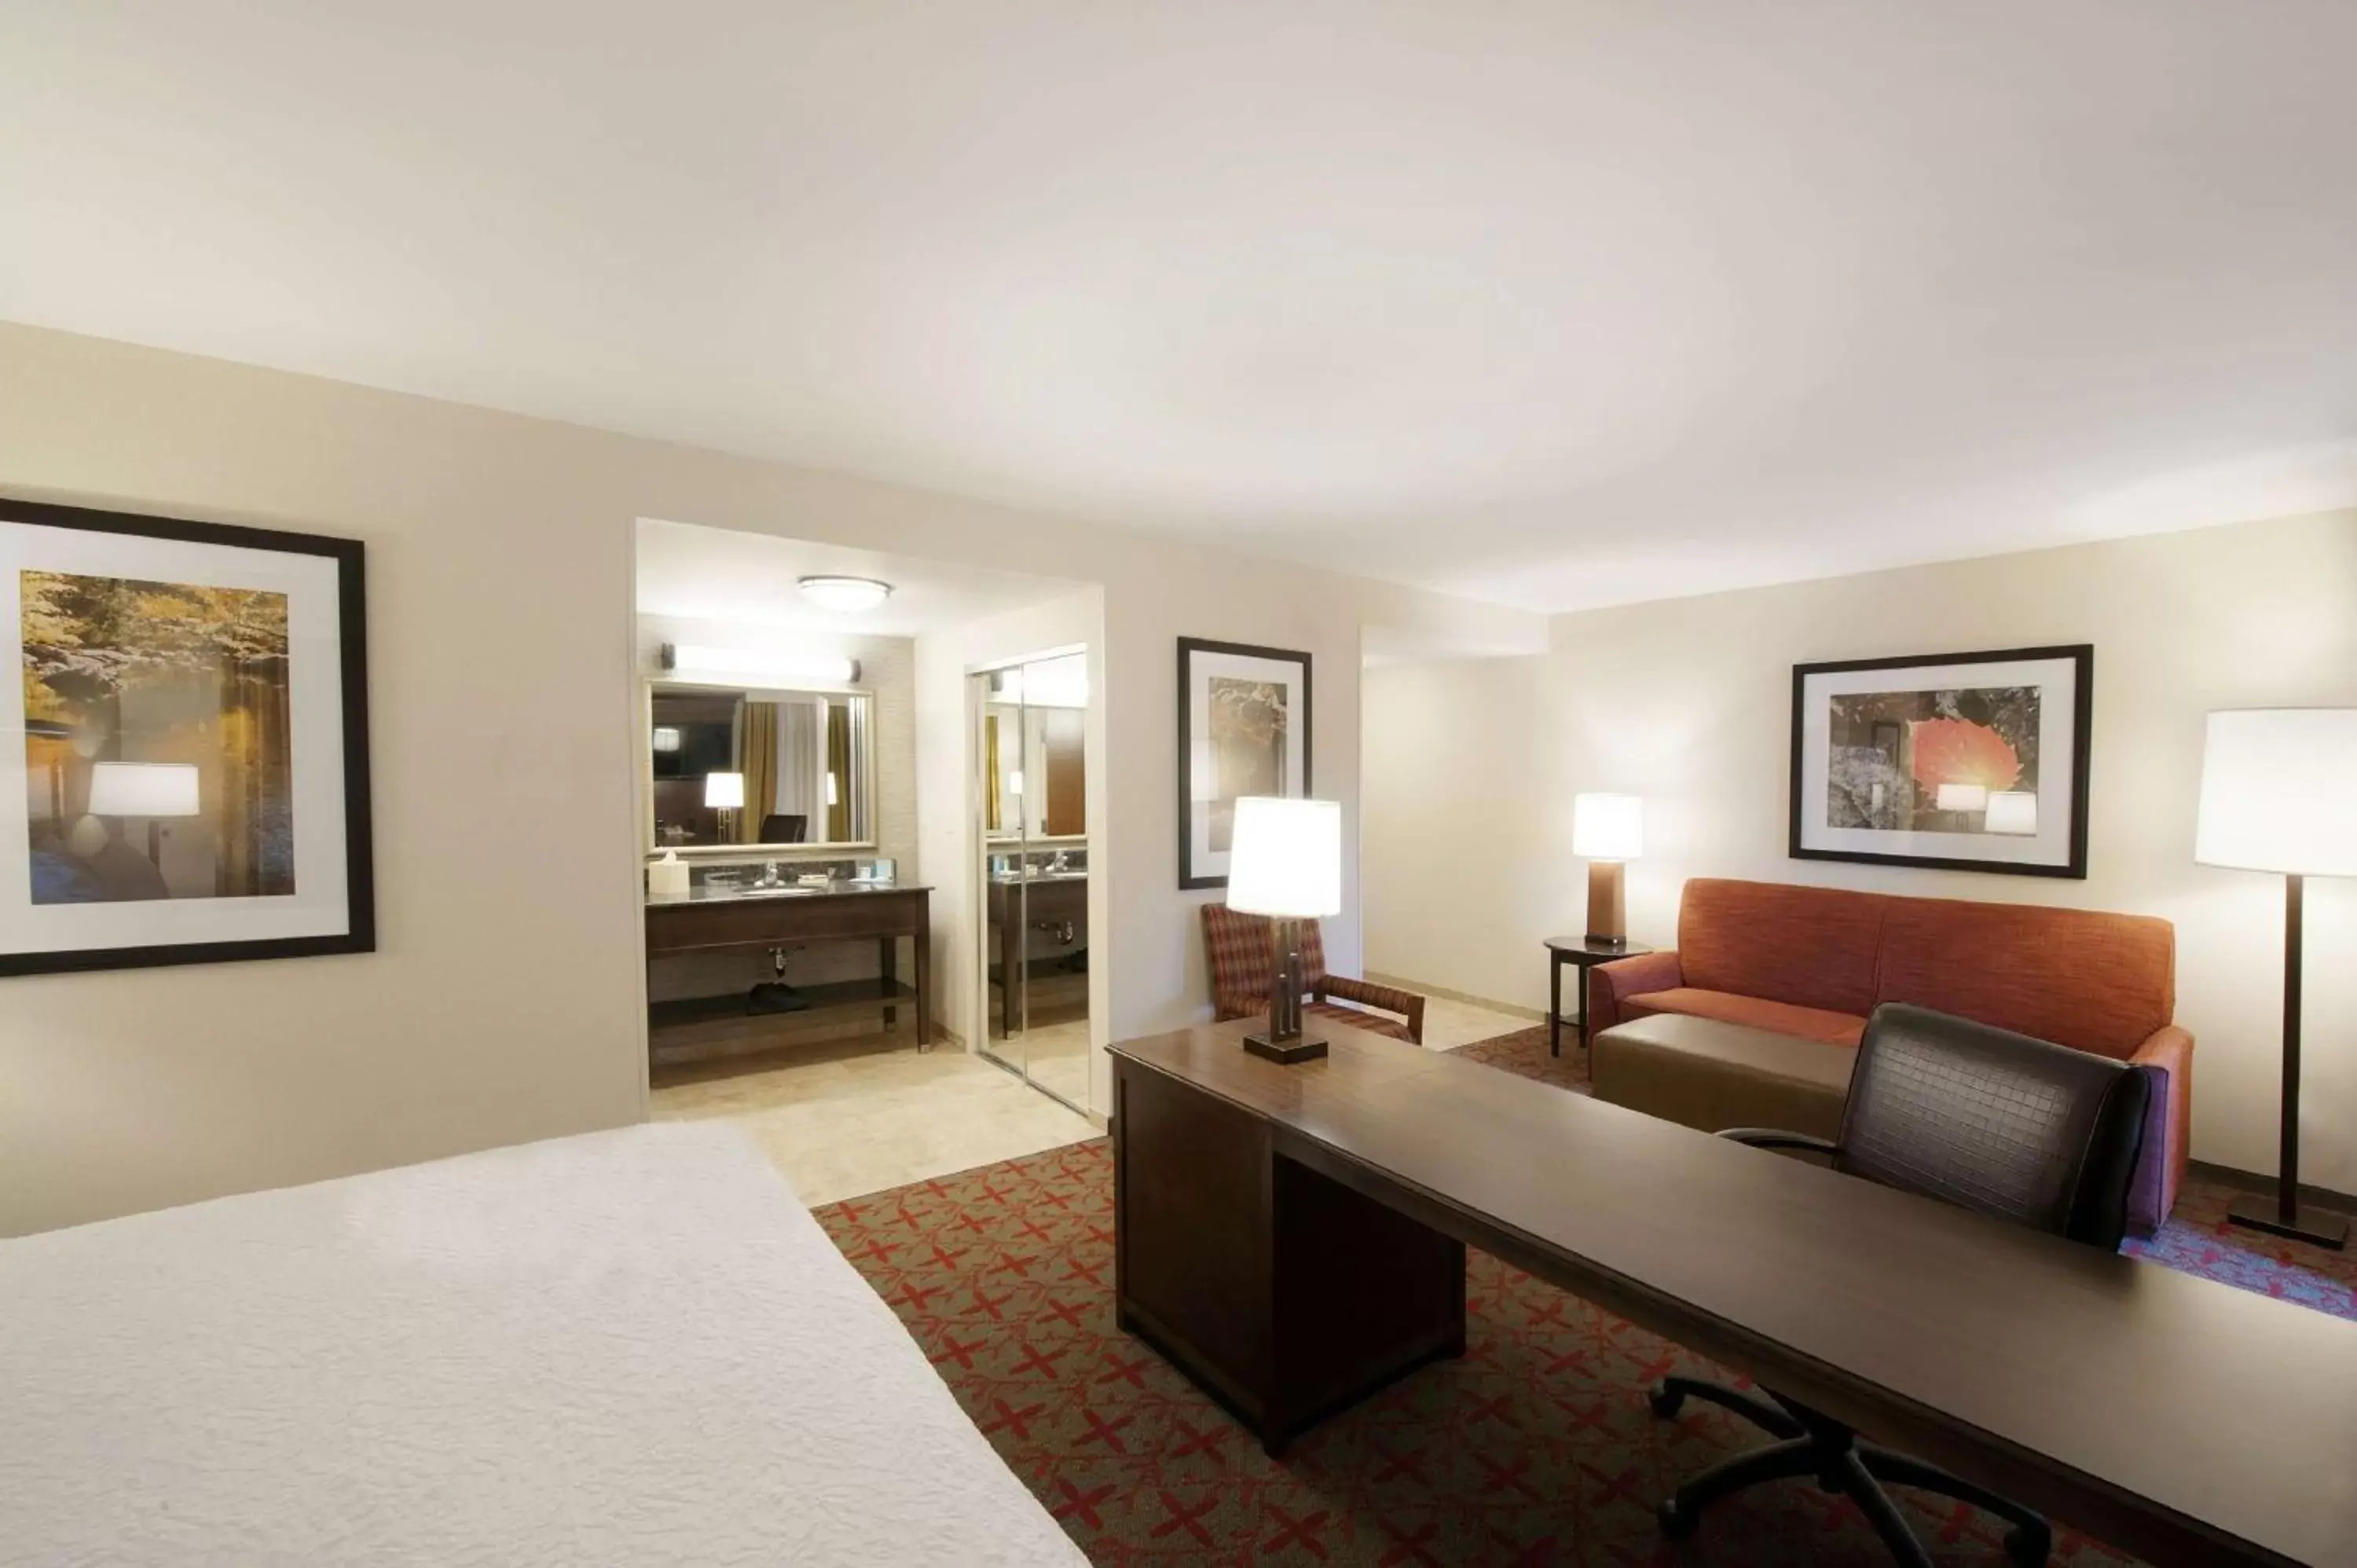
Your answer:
<point x="1031" y="788"/>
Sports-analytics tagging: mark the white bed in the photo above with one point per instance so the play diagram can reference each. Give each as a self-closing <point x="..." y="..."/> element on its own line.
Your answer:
<point x="629" y="1347"/>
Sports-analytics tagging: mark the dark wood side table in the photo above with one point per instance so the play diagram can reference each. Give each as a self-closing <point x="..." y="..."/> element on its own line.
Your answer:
<point x="1583" y="955"/>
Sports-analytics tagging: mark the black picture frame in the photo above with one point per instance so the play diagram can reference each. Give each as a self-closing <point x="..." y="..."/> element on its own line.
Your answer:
<point x="1191" y="875"/>
<point x="349" y="556"/>
<point x="2082" y="658"/>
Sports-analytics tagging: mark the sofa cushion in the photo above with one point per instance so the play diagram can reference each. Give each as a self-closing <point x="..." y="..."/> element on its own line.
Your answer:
<point x="1813" y="947"/>
<point x="1779" y="1017"/>
<point x="2094" y="981"/>
<point x="1710" y="1075"/>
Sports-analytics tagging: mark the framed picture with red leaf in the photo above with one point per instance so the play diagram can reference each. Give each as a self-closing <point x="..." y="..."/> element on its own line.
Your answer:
<point x="1962" y="761"/>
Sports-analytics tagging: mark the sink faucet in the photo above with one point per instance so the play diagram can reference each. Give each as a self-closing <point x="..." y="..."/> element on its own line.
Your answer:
<point x="769" y="877"/>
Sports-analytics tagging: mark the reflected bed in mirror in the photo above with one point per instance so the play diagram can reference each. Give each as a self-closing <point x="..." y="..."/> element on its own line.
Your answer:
<point x="736" y="770"/>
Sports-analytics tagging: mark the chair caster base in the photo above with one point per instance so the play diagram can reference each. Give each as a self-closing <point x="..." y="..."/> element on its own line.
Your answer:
<point x="1677" y="1523"/>
<point x="2029" y="1547"/>
<point x="1666" y="1401"/>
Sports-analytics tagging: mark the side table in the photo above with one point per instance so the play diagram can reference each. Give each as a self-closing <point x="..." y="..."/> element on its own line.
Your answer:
<point x="1583" y="955"/>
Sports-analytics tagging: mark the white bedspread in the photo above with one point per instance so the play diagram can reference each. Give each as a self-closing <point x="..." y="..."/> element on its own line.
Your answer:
<point x="629" y="1347"/>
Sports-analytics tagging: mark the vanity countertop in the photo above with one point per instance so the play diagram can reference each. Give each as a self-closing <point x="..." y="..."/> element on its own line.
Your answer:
<point x="708" y="894"/>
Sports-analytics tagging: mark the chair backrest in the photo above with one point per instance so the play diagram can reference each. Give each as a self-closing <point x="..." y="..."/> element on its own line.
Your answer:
<point x="785" y="829"/>
<point x="1236" y="949"/>
<point x="1995" y="1122"/>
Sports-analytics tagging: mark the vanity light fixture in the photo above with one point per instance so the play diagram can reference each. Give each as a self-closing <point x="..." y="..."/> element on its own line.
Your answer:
<point x="763" y="667"/>
<point x="847" y="596"/>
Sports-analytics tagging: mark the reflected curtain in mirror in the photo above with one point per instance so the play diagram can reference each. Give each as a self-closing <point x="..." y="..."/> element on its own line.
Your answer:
<point x="839" y="771"/>
<point x="757" y="756"/>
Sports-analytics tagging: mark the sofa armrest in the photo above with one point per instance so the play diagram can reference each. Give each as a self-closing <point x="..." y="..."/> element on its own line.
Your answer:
<point x="2168" y="1054"/>
<point x="1388" y="999"/>
<point x="1610" y="985"/>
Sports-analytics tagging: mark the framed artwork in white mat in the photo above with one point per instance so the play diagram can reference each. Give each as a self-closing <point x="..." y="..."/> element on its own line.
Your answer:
<point x="1962" y="761"/>
<point x="191" y="712"/>
<point x="1243" y="729"/>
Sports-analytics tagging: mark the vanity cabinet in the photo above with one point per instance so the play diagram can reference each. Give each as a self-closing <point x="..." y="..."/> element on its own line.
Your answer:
<point x="737" y="921"/>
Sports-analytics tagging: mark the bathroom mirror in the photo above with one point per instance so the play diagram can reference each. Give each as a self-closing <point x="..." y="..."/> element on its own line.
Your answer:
<point x="744" y="770"/>
<point x="1035" y="726"/>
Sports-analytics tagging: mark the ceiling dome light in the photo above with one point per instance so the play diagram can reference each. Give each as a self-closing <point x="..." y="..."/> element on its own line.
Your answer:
<point x="848" y="595"/>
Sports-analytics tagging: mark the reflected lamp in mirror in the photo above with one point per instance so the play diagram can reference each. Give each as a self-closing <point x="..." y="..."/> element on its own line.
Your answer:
<point x="1286" y="861"/>
<point x="1606" y="831"/>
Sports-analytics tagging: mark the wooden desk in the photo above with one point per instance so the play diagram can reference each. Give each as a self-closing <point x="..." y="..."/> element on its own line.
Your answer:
<point x="732" y="923"/>
<point x="1265" y="1213"/>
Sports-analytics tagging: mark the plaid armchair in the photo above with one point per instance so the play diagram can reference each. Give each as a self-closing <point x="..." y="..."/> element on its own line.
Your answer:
<point x="1242" y="968"/>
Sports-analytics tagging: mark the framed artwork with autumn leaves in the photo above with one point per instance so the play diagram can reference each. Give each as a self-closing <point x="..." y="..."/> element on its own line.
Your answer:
<point x="1962" y="761"/>
<point x="192" y="711"/>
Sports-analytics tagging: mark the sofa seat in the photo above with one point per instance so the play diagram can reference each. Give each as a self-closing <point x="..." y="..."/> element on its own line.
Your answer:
<point x="1711" y="1075"/>
<point x="1757" y="1011"/>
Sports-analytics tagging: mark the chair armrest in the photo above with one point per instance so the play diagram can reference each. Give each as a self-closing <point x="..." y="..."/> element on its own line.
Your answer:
<point x="1769" y="1138"/>
<point x="1610" y="985"/>
<point x="2168" y="1054"/>
<point x="1389" y="999"/>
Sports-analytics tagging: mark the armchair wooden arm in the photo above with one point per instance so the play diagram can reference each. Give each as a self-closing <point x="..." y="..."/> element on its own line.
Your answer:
<point x="1389" y="999"/>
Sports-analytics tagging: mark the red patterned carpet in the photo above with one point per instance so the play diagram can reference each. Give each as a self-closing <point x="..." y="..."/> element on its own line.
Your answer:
<point x="1536" y="1448"/>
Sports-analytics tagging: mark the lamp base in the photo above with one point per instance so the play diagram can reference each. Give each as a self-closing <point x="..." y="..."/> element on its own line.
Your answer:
<point x="1300" y="1049"/>
<point x="1607" y="903"/>
<point x="2317" y="1227"/>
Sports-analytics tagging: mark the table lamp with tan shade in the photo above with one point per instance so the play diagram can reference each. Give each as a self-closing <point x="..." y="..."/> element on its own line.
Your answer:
<point x="1607" y="831"/>
<point x="2279" y="793"/>
<point x="1285" y="861"/>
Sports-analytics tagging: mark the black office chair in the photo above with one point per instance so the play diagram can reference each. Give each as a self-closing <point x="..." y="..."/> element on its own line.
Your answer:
<point x="793" y="828"/>
<point x="1978" y="1117"/>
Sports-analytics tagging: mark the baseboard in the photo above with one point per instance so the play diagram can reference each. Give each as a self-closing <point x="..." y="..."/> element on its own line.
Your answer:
<point x="1425" y="988"/>
<point x="2251" y="1181"/>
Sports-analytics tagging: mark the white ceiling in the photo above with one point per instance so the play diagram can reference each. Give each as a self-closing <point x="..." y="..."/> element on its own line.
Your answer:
<point x="1557" y="304"/>
<point x="752" y="579"/>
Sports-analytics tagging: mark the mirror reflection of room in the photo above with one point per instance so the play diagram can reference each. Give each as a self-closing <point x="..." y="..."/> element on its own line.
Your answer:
<point x="735" y="767"/>
<point x="1034" y="779"/>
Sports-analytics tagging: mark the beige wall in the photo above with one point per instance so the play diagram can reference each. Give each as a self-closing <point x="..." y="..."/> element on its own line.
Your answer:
<point x="1471" y="768"/>
<point x="506" y="1001"/>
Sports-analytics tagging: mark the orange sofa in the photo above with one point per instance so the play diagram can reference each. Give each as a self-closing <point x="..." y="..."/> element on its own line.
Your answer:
<point x="1814" y="962"/>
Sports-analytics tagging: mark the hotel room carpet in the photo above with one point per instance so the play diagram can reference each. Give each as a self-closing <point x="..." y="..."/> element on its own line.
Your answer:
<point x="1536" y="1448"/>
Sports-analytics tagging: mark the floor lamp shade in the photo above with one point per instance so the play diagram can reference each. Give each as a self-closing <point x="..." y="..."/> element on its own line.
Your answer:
<point x="1607" y="829"/>
<point x="2279" y="794"/>
<point x="2279" y="791"/>
<point x="1285" y="861"/>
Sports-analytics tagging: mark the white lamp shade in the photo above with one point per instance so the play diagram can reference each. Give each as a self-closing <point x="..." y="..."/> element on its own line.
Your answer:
<point x="2279" y="791"/>
<point x="142" y="789"/>
<point x="725" y="790"/>
<point x="1286" y="859"/>
<point x="2011" y="811"/>
<point x="1608" y="827"/>
<point x="1962" y="798"/>
<point x="834" y="791"/>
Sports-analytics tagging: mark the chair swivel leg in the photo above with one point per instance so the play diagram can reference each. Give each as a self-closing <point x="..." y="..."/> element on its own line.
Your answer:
<point x="1880" y="1511"/>
<point x="1777" y="1462"/>
<point x="1671" y="1393"/>
<point x="2027" y="1544"/>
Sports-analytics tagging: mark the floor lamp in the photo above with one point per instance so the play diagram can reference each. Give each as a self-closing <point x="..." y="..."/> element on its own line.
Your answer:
<point x="2279" y="793"/>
